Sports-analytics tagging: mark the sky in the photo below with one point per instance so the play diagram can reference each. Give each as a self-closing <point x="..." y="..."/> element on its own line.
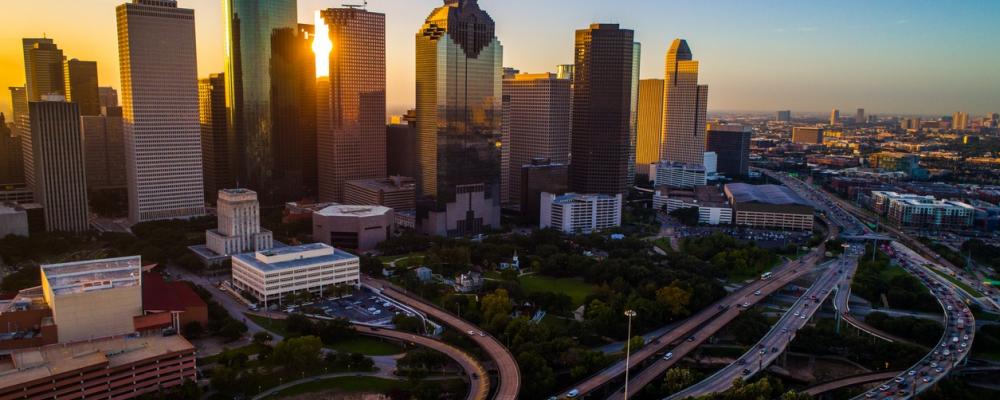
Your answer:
<point x="907" y="57"/>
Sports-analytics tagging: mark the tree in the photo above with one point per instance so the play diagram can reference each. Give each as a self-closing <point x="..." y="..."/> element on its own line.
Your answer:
<point x="677" y="379"/>
<point x="232" y="330"/>
<point x="408" y="324"/>
<point x="636" y="343"/>
<point x="298" y="354"/>
<point x="538" y="378"/>
<point x="496" y="308"/>
<point x="687" y="216"/>
<point x="193" y="330"/>
<point x="262" y="337"/>
<point x="674" y="298"/>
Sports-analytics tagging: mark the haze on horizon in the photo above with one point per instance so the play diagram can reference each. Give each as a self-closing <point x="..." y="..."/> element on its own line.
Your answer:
<point x="919" y="57"/>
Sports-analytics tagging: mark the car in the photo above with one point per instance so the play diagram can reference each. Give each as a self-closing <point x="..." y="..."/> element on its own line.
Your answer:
<point x="471" y="333"/>
<point x="939" y="370"/>
<point x="573" y="393"/>
<point x="746" y="371"/>
<point x="883" y="388"/>
<point x="899" y="379"/>
<point x="964" y="344"/>
<point x="803" y="316"/>
<point x="757" y="293"/>
<point x="796" y="314"/>
<point x="934" y="365"/>
<point x="690" y="338"/>
<point x="763" y="351"/>
<point x="668" y="356"/>
<point x="927" y="379"/>
<point x="912" y="373"/>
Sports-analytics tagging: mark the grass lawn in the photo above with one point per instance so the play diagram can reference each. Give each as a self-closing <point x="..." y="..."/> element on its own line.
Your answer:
<point x="361" y="344"/>
<point x="968" y="289"/>
<point x="575" y="288"/>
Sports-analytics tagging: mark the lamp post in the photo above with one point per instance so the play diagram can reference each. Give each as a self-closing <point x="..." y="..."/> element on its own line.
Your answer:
<point x="628" y="347"/>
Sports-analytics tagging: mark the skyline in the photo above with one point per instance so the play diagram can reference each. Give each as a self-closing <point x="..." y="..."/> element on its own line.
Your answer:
<point x="923" y="58"/>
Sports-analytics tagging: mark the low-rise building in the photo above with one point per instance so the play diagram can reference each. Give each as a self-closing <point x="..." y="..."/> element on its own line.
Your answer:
<point x="915" y="211"/>
<point x="680" y="175"/>
<point x="269" y="275"/>
<point x="807" y="135"/>
<point x="710" y="202"/>
<point x="93" y="299"/>
<point x="358" y="228"/>
<point x="13" y="221"/>
<point x="580" y="213"/>
<point x="397" y="193"/>
<point x="469" y="282"/>
<point x="769" y="206"/>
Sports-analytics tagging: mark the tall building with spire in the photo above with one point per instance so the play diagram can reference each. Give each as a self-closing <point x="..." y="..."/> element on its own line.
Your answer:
<point x="43" y="68"/>
<point x="351" y="142"/>
<point x="685" y="108"/>
<point x="160" y="107"/>
<point x="459" y="71"/>
<point x="602" y="110"/>
<point x="268" y="95"/>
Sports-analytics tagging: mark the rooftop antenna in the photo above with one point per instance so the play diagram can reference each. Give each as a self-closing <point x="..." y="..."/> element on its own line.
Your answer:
<point x="356" y="6"/>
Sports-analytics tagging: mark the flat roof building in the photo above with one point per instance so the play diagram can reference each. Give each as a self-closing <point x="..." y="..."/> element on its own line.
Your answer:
<point x="359" y="228"/>
<point x="239" y="228"/>
<point x="915" y="211"/>
<point x="13" y="221"/>
<point x="807" y="135"/>
<point x="396" y="192"/>
<point x="680" y="175"/>
<point x="769" y="206"/>
<point x="269" y="275"/>
<point x="580" y="213"/>
<point x="93" y="299"/>
<point x="713" y="209"/>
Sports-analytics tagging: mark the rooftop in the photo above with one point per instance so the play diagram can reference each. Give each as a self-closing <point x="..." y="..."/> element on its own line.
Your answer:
<point x="391" y="184"/>
<point x="160" y="295"/>
<point x="765" y="194"/>
<point x="93" y="275"/>
<point x="354" y="211"/>
<point x="574" y="197"/>
<point x="292" y="257"/>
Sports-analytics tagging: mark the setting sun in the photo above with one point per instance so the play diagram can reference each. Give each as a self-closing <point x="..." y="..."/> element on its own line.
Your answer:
<point x="322" y="47"/>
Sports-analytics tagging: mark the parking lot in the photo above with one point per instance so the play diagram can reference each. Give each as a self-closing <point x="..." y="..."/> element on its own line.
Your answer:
<point x="362" y="307"/>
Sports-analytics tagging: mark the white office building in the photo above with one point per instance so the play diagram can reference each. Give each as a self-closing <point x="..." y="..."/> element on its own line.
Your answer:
<point x="159" y="75"/>
<point x="711" y="204"/>
<point x="580" y="213"/>
<point x="239" y="224"/>
<point x="680" y="175"/>
<point x="269" y="275"/>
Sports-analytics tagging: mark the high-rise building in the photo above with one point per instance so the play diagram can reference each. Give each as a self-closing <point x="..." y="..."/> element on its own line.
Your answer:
<point x="541" y="176"/>
<point x="602" y="110"/>
<point x="108" y="96"/>
<point x="580" y="213"/>
<point x="11" y="160"/>
<point x="19" y="106"/>
<point x="43" y="68"/>
<point x="807" y="135"/>
<point x="218" y="151"/>
<point x="58" y="164"/>
<point x="269" y="89"/>
<point x="401" y="145"/>
<point x="785" y="116"/>
<point x="859" y="117"/>
<point x="633" y="123"/>
<point x="104" y="149"/>
<point x="731" y="142"/>
<point x="650" y="113"/>
<point x="994" y="119"/>
<point x="537" y="123"/>
<point x="685" y="107"/>
<point x="835" y="116"/>
<point x="81" y="85"/>
<point x="239" y="228"/>
<point x="459" y="70"/>
<point x="566" y="71"/>
<point x="960" y="121"/>
<point x="160" y="106"/>
<point x="350" y="133"/>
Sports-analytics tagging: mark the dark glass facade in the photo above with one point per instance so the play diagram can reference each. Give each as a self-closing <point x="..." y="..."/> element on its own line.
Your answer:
<point x="732" y="145"/>
<point x="603" y="126"/>
<point x="459" y="71"/>
<point x="268" y="87"/>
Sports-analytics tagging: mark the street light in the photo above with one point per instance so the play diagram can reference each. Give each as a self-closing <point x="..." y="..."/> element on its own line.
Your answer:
<point x="628" y="347"/>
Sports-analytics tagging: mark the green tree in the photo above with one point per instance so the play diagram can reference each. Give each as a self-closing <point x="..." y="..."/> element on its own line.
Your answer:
<point x="298" y="354"/>
<point x="408" y="324"/>
<point x="636" y="343"/>
<point x="677" y="379"/>
<point x="674" y="298"/>
<point x="538" y="378"/>
<point x="232" y="330"/>
<point x="262" y="337"/>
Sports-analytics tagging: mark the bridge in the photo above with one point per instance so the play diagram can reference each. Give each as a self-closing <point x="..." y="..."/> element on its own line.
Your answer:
<point x="849" y="381"/>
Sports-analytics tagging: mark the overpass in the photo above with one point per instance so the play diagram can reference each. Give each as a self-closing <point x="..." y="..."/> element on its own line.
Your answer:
<point x="841" y="304"/>
<point x="506" y="365"/>
<point x="849" y="381"/>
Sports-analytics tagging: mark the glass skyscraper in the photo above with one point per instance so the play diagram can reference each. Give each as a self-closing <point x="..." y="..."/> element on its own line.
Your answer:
<point x="685" y="105"/>
<point x="459" y="78"/>
<point x="269" y="84"/>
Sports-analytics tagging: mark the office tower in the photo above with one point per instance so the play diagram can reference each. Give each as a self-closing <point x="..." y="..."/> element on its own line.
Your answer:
<point x="459" y="69"/>
<point x="19" y="106"/>
<point x="81" y="85"/>
<point x="835" y="116"/>
<point x="239" y="224"/>
<point x="685" y="105"/>
<point x="11" y="159"/>
<point x="785" y="116"/>
<point x="43" y="67"/>
<point x="268" y="81"/>
<point x="58" y="164"/>
<point x="602" y="110"/>
<point x="650" y="115"/>
<point x="566" y="71"/>
<point x="633" y="132"/>
<point x="960" y="121"/>
<point x="108" y="96"/>
<point x="994" y="119"/>
<point x="218" y="151"/>
<point x="807" y="135"/>
<point x="541" y="176"/>
<point x="731" y="142"/>
<point x="160" y="104"/>
<point x="351" y="103"/>
<point x="104" y="149"/>
<point x="401" y="145"/>
<point x="859" y="118"/>
<point x="539" y="123"/>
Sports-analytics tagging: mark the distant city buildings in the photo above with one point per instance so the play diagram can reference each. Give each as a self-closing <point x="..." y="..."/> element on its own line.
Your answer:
<point x="160" y="102"/>
<point x="108" y="96"/>
<point x="459" y="83"/>
<point x="271" y="274"/>
<point x="902" y="162"/>
<point x="859" y="117"/>
<point x="11" y="153"/>
<point x="925" y="212"/>
<point x="835" y="117"/>
<point x="574" y="213"/>
<point x="769" y="206"/>
<point x="602" y="129"/>
<point x="401" y="145"/>
<point x="685" y="107"/>
<point x="784" y="116"/>
<point x="808" y="135"/>
<point x="960" y="121"/>
<point x="81" y="85"/>
<point x="354" y="227"/>
<point x="43" y="68"/>
<point x="731" y="142"/>
<point x="57" y="164"/>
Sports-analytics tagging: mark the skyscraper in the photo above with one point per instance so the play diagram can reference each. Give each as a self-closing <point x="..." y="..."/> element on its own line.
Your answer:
<point x="104" y="149"/>
<point x="266" y="93"/>
<point x="351" y="137"/>
<point x="217" y="147"/>
<point x="685" y="105"/>
<point x="538" y="123"/>
<point x="160" y="106"/>
<point x="19" y="105"/>
<point x="960" y="121"/>
<point x="835" y="116"/>
<point x="859" y="118"/>
<point x="81" y="85"/>
<point x="108" y="96"/>
<point x="602" y="110"/>
<point x="785" y="116"/>
<point x="58" y="164"/>
<point x="459" y="70"/>
<point x="11" y="160"/>
<point x="43" y="68"/>
<point x="401" y="145"/>
<point x="633" y="123"/>
<point x="650" y="114"/>
<point x="731" y="142"/>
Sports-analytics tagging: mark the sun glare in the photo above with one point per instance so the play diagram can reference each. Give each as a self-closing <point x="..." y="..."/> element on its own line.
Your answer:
<point x="322" y="47"/>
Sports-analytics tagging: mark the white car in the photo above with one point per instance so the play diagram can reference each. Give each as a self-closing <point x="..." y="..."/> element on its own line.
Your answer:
<point x="573" y="393"/>
<point x="668" y="356"/>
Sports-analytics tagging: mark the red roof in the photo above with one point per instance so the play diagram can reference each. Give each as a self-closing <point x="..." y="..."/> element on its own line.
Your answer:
<point x="160" y="295"/>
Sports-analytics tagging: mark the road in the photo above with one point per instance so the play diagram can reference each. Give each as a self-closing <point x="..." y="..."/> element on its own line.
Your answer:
<point x="510" y="375"/>
<point x="842" y="306"/>
<point x="776" y="341"/>
<point x="850" y="381"/>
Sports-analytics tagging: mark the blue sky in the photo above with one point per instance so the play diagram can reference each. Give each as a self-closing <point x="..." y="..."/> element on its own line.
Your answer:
<point x="888" y="56"/>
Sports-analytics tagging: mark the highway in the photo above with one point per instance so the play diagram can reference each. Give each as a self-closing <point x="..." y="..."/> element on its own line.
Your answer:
<point x="841" y="305"/>
<point x="507" y="369"/>
<point x="776" y="341"/>
<point x="849" y="381"/>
